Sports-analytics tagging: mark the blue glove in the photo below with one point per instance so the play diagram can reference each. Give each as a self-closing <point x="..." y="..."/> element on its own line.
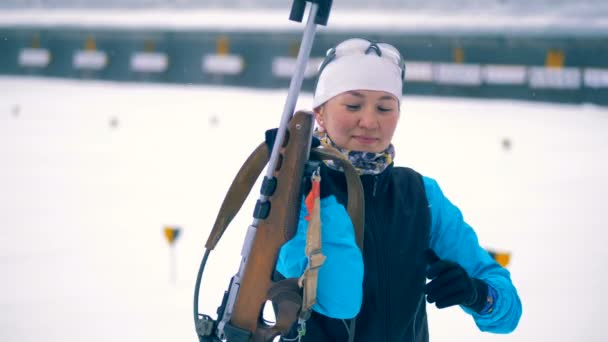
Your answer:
<point x="451" y="285"/>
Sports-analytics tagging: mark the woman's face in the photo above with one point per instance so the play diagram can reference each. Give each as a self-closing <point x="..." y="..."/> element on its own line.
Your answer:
<point x="360" y="120"/>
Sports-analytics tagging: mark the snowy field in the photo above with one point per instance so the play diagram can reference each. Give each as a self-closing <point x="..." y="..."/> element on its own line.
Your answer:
<point x="91" y="172"/>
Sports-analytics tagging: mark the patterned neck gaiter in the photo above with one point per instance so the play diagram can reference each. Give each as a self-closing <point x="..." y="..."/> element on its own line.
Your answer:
<point x="366" y="163"/>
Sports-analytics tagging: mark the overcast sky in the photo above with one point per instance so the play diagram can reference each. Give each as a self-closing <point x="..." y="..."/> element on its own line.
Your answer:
<point x="598" y="6"/>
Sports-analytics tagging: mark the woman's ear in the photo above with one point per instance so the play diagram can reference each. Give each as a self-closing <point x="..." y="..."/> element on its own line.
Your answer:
<point x="319" y="113"/>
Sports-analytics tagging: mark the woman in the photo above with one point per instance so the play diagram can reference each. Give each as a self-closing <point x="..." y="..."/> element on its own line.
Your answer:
<point x="412" y="231"/>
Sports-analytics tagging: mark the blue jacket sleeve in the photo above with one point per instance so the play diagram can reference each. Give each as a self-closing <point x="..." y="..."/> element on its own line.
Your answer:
<point x="340" y="283"/>
<point x="453" y="239"/>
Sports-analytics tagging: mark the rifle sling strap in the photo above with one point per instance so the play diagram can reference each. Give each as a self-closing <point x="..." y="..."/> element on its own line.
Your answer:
<point x="308" y="280"/>
<point x="285" y="294"/>
<point x="252" y="168"/>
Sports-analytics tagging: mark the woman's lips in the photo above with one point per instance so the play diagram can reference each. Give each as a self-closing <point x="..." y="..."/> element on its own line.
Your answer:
<point x="365" y="140"/>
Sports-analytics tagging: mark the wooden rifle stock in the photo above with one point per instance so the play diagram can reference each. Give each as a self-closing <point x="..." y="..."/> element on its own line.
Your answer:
<point x="273" y="231"/>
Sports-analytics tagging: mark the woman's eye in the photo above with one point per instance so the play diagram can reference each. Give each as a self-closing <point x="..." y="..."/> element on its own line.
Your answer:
<point x="385" y="109"/>
<point x="353" y="107"/>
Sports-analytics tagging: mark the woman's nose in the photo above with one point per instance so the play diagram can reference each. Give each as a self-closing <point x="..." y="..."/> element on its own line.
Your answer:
<point x="368" y="120"/>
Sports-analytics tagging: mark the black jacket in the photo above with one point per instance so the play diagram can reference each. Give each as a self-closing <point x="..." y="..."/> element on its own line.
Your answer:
<point x="397" y="226"/>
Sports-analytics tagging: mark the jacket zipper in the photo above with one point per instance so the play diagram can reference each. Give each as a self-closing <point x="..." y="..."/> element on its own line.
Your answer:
<point x="381" y="266"/>
<point x="375" y="186"/>
<point x="387" y="287"/>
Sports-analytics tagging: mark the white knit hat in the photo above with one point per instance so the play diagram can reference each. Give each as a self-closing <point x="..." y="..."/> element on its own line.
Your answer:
<point x="358" y="71"/>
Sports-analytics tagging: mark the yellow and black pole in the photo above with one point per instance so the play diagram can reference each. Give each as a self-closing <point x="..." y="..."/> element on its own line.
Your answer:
<point x="172" y="233"/>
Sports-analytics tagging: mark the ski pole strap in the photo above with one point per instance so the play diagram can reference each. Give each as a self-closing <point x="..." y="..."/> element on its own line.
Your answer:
<point x="308" y="280"/>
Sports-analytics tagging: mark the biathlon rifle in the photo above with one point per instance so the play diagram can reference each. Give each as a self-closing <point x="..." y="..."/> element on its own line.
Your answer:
<point x="275" y="216"/>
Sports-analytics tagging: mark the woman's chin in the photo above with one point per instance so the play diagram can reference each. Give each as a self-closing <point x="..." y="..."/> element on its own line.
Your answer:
<point x="374" y="148"/>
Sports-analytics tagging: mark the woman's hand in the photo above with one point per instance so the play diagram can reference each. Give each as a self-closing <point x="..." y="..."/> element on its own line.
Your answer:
<point x="451" y="285"/>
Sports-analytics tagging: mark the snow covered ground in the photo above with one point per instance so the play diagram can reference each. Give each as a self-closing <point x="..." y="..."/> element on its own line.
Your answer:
<point x="91" y="172"/>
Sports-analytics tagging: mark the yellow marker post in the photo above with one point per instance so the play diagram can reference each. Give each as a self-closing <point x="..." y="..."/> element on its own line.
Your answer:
<point x="35" y="41"/>
<point x="149" y="45"/>
<point x="502" y="258"/>
<point x="222" y="46"/>
<point x="458" y="55"/>
<point x="171" y="234"/>
<point x="555" y="59"/>
<point x="294" y="48"/>
<point x="90" y="44"/>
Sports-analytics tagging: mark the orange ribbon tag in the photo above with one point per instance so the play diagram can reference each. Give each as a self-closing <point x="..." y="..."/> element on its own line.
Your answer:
<point x="315" y="192"/>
